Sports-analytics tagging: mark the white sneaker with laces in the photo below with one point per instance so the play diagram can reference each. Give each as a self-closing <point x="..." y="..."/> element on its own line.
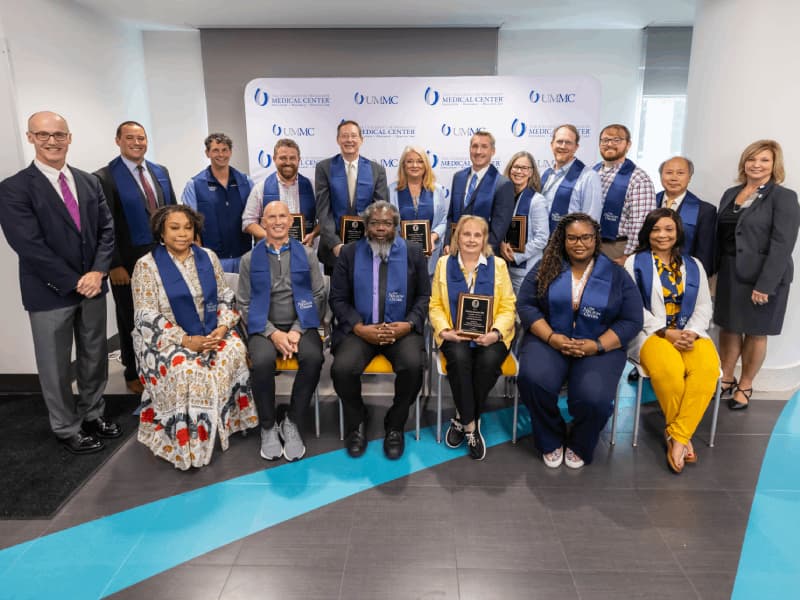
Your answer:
<point x="555" y="458"/>
<point x="572" y="460"/>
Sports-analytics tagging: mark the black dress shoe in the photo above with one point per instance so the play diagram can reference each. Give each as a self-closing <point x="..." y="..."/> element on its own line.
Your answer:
<point x="101" y="428"/>
<point x="80" y="443"/>
<point x="356" y="442"/>
<point x="734" y="405"/>
<point x="393" y="444"/>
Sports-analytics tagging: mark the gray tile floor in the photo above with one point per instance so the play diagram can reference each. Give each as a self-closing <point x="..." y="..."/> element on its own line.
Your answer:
<point x="504" y="528"/>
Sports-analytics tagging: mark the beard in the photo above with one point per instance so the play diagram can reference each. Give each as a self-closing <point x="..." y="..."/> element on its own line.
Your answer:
<point x="381" y="248"/>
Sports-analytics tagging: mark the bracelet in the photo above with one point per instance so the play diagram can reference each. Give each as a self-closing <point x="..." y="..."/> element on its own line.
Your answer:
<point x="547" y="341"/>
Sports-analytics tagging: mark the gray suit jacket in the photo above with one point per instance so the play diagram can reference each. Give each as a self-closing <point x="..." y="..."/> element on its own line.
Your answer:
<point x="765" y="237"/>
<point x="322" y="191"/>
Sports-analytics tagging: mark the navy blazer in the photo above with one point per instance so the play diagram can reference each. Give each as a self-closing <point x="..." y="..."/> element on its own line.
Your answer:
<point x="53" y="253"/>
<point x="125" y="253"/>
<point x="765" y="236"/>
<point x="342" y="299"/>
<point x="705" y="232"/>
<point x="503" y="205"/>
<point x="625" y="315"/>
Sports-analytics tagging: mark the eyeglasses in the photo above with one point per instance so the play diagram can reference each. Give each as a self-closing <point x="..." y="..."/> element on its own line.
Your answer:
<point x="566" y="143"/>
<point x="614" y="140"/>
<point x="44" y="136"/>
<point x="414" y="161"/>
<point x="521" y="168"/>
<point x="585" y="238"/>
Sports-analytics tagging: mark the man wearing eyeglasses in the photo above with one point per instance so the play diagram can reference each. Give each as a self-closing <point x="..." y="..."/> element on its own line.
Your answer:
<point x="56" y="219"/>
<point x="570" y="186"/>
<point x="628" y="194"/>
<point x="380" y="291"/>
<point x="345" y="184"/>
<point x="135" y="188"/>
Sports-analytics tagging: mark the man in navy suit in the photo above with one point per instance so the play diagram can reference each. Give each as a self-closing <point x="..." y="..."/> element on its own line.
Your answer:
<point x="699" y="217"/>
<point x="481" y="190"/>
<point x="56" y="219"/>
<point x="135" y="188"/>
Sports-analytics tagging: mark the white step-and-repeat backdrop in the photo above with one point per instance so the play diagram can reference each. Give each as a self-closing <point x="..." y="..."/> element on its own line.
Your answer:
<point x="437" y="114"/>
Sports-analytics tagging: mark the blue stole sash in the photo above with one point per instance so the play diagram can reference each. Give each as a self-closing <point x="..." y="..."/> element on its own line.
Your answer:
<point x="689" y="211"/>
<point x="643" y="274"/>
<point x="615" y="199"/>
<point x="261" y="288"/>
<point x="561" y="200"/>
<point x="394" y="308"/>
<point x="222" y="230"/>
<point x="340" y="196"/>
<point x="523" y="209"/>
<point x="179" y="295"/>
<point x="457" y="284"/>
<point x="588" y="322"/>
<point x="133" y="201"/>
<point x="482" y="199"/>
<point x="306" y="192"/>
<point x="424" y="209"/>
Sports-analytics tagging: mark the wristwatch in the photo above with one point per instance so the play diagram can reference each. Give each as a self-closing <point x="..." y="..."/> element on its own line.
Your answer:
<point x="499" y="335"/>
<point x="600" y="348"/>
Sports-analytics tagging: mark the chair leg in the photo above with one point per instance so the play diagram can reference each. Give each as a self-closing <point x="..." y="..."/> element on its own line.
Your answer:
<point x="439" y="411"/>
<point x="417" y="417"/>
<point x="614" y="419"/>
<point x="516" y="416"/>
<point x="636" y="410"/>
<point x="316" y="411"/>
<point x="717" y="395"/>
<point x="341" y="420"/>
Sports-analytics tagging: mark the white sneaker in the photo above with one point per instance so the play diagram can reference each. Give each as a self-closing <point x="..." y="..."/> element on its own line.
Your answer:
<point x="572" y="460"/>
<point x="555" y="458"/>
<point x="293" y="446"/>
<point x="271" y="448"/>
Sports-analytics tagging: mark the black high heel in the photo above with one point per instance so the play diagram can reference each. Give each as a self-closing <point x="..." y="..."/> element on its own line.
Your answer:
<point x="727" y="389"/>
<point x="734" y="404"/>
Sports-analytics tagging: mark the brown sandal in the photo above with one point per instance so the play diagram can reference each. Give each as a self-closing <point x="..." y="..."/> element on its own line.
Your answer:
<point x="691" y="457"/>
<point x="670" y="461"/>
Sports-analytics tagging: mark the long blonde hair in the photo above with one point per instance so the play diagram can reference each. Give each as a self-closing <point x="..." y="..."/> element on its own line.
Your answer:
<point x="428" y="178"/>
<point x="778" y="172"/>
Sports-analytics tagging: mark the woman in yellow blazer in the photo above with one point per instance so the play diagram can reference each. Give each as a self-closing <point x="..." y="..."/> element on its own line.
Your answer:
<point x="473" y="364"/>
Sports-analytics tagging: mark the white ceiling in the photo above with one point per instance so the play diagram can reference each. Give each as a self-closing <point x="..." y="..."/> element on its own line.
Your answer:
<point x="506" y="14"/>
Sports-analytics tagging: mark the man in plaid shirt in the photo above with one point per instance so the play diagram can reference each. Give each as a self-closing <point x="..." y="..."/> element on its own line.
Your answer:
<point x="628" y="194"/>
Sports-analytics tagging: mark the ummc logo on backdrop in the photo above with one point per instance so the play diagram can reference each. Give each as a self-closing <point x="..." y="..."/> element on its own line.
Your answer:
<point x="390" y="162"/>
<point x="521" y="129"/>
<point x="360" y="98"/>
<point x="262" y="98"/>
<point x="551" y="98"/>
<point x="279" y="130"/>
<point x="446" y="162"/>
<point x="448" y="130"/>
<point x="309" y="162"/>
<point x="264" y="159"/>
<point x="433" y="97"/>
<point x="387" y="131"/>
<point x="433" y="158"/>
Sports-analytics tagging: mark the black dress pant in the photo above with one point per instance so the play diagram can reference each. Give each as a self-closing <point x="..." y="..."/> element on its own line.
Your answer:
<point x="472" y="373"/>
<point x="123" y="299"/>
<point x="309" y="358"/>
<point x="351" y="357"/>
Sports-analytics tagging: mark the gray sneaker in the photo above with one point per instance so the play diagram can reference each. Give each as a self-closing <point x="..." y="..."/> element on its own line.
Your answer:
<point x="293" y="446"/>
<point x="271" y="448"/>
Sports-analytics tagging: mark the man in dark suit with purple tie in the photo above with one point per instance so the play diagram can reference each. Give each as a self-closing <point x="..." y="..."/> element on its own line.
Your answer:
<point x="56" y="219"/>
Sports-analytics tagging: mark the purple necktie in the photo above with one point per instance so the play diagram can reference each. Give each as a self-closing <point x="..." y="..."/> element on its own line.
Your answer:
<point x="69" y="201"/>
<point x="152" y="203"/>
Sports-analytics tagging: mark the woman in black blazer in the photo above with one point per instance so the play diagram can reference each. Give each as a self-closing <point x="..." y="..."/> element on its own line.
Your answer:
<point x="757" y="228"/>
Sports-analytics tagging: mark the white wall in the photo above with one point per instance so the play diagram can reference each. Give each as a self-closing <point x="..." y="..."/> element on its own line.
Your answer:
<point x="177" y="100"/>
<point x="87" y="68"/>
<point x="612" y="56"/>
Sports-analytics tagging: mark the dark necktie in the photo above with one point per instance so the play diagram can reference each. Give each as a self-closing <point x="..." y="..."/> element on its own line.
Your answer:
<point x="152" y="203"/>
<point x="472" y="183"/>
<point x="69" y="201"/>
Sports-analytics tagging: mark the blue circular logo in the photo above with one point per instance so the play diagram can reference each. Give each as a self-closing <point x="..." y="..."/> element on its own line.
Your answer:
<point x="534" y="96"/>
<point x="433" y="158"/>
<point x="264" y="159"/>
<point x="358" y="98"/>
<point x="261" y="97"/>
<point x="431" y="96"/>
<point x="277" y="129"/>
<point x="446" y="129"/>
<point x="446" y="193"/>
<point x="518" y="128"/>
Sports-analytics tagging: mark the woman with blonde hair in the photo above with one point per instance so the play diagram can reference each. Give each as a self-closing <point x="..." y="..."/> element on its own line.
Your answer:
<point x="473" y="364"/>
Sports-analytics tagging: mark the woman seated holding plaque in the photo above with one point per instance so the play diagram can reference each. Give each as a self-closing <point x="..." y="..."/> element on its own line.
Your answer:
<point x="472" y="314"/>
<point x="419" y="198"/>
<point x="191" y="362"/>
<point x="530" y="227"/>
<point x="674" y="346"/>
<point x="578" y="310"/>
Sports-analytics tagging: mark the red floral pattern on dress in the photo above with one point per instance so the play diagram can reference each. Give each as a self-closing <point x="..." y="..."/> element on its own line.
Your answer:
<point x="202" y="433"/>
<point x="147" y="415"/>
<point x="243" y="402"/>
<point x="163" y="370"/>
<point x="178" y="360"/>
<point x="168" y="325"/>
<point x="182" y="436"/>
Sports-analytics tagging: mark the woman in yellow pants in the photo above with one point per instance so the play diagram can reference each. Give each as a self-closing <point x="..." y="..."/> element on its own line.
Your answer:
<point x="674" y="347"/>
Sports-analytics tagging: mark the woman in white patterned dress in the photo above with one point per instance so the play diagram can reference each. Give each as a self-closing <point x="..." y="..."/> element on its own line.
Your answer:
<point x="191" y="362"/>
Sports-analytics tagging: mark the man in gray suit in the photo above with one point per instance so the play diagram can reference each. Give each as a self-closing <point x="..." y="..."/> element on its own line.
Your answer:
<point x="345" y="184"/>
<point x="56" y="219"/>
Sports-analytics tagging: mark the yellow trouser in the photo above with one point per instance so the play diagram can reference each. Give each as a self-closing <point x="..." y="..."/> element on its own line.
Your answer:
<point x="684" y="382"/>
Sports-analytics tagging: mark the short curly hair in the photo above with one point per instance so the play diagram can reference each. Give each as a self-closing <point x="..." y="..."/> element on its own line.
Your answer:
<point x="159" y="218"/>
